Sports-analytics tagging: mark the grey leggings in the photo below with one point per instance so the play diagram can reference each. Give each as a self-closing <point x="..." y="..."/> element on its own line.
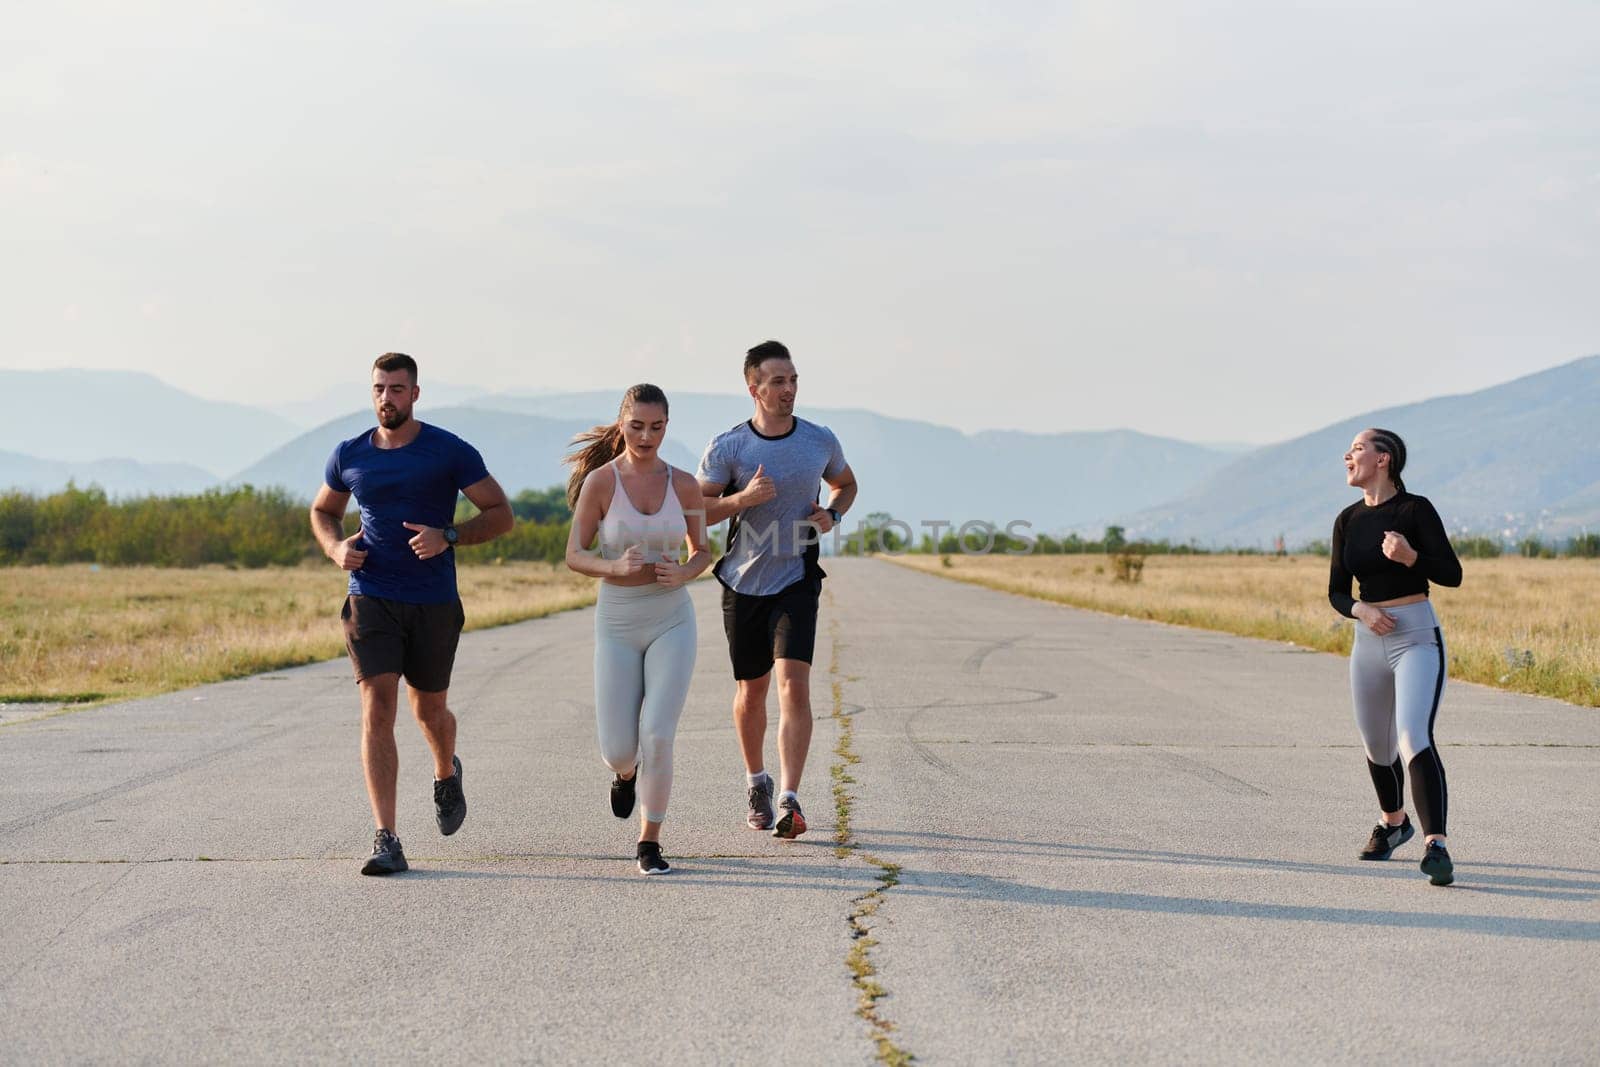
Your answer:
<point x="644" y="649"/>
<point x="1396" y="682"/>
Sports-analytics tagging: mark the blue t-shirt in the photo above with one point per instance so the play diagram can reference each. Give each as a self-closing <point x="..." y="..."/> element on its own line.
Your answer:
<point x="416" y="483"/>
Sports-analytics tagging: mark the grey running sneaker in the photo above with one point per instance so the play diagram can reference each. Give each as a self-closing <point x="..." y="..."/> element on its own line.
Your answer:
<point x="760" y="797"/>
<point x="1436" y="864"/>
<point x="387" y="855"/>
<point x="650" y="859"/>
<point x="1385" y="839"/>
<point x="449" y="802"/>
<point x="791" y="824"/>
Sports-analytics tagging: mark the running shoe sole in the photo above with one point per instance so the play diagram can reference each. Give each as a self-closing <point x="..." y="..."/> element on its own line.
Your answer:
<point x="1406" y="833"/>
<point x="1438" y="868"/>
<point x="791" y="826"/>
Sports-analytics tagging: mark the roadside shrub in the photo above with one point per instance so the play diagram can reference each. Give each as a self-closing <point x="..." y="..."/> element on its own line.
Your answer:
<point x="239" y="527"/>
<point x="1585" y="546"/>
<point x="1127" y="567"/>
<point x="1477" y="547"/>
<point x="1533" y="548"/>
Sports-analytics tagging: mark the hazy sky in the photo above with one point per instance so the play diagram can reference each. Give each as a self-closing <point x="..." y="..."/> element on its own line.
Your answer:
<point x="1214" y="221"/>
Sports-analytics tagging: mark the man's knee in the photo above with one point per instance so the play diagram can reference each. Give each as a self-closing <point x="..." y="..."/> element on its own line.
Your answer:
<point x="379" y="701"/>
<point x="753" y="690"/>
<point x="794" y="679"/>
<point x="429" y="707"/>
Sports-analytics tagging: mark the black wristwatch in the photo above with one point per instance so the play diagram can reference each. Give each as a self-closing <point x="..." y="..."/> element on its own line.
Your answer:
<point x="450" y="535"/>
<point x="833" y="514"/>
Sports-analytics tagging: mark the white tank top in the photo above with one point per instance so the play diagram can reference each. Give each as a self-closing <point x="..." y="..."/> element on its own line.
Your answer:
<point x="660" y="536"/>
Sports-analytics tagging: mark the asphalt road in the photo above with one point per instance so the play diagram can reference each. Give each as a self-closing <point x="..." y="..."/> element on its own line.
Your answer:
<point x="1071" y="837"/>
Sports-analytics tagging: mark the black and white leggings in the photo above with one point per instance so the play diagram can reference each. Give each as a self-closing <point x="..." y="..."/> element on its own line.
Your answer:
<point x="1396" y="682"/>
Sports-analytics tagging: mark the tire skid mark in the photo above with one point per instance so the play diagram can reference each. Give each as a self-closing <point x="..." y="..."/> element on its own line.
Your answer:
<point x="1034" y="696"/>
<point x="17" y="971"/>
<point x="1204" y="771"/>
<point x="920" y="747"/>
<point x="39" y="818"/>
<point x="974" y="663"/>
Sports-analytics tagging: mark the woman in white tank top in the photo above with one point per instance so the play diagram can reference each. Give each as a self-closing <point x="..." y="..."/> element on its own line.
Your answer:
<point x="647" y="518"/>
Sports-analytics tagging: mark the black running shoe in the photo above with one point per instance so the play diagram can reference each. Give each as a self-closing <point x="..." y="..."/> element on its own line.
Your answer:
<point x="449" y="802"/>
<point x="791" y="824"/>
<point x="387" y="855"/>
<point x="651" y="860"/>
<point x="622" y="794"/>
<point x="1436" y="864"/>
<point x="1385" y="839"/>
<point x="760" y="798"/>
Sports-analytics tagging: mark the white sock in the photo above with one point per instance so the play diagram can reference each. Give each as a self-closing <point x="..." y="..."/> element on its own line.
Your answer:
<point x="755" y="779"/>
<point x="788" y="794"/>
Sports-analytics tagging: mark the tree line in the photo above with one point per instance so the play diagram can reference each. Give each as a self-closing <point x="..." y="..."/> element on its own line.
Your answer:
<point x="239" y="527"/>
<point x="249" y="527"/>
<point x="878" y="532"/>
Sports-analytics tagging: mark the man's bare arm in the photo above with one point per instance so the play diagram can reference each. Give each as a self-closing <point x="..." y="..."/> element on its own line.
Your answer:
<point x="494" y="513"/>
<point x="719" y="507"/>
<point x="844" y="490"/>
<point x="327" y="526"/>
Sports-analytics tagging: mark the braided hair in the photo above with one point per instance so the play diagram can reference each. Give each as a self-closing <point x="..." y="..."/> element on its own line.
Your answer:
<point x="1388" y="442"/>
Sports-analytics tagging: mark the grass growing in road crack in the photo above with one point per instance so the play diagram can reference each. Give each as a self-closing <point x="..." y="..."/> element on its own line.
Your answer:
<point x="863" y="972"/>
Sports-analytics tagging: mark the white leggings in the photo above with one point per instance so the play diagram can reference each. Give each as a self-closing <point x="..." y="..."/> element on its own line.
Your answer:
<point x="644" y="649"/>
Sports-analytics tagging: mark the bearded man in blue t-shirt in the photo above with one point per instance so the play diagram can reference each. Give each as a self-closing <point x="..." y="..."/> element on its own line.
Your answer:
<point x="403" y="616"/>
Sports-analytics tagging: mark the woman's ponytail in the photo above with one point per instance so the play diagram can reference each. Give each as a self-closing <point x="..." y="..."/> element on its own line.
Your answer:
<point x="602" y="444"/>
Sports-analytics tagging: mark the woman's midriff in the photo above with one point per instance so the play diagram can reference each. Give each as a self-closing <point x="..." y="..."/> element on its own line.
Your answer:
<point x="1399" y="601"/>
<point x="644" y="577"/>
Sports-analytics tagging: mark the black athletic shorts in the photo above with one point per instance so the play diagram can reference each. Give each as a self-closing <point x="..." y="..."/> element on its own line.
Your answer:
<point x="393" y="637"/>
<point x="782" y="625"/>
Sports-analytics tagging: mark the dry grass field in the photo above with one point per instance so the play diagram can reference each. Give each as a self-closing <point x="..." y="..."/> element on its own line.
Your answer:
<point x="79" y="634"/>
<point x="1531" y="625"/>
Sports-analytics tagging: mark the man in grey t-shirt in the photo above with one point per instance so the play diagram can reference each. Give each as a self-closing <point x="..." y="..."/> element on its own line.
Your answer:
<point x="765" y="475"/>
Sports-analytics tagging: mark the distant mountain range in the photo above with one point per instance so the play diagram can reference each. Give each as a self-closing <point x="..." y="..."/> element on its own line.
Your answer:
<point x="85" y="416"/>
<point x="337" y="401"/>
<point x="1505" y="461"/>
<point x="521" y="451"/>
<point x="919" y="471"/>
<point x="122" y="476"/>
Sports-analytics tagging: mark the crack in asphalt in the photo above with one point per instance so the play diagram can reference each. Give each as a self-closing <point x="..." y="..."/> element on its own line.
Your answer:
<point x="858" y="961"/>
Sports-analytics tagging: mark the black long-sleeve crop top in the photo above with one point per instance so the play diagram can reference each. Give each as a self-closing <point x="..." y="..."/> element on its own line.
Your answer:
<point x="1357" y="551"/>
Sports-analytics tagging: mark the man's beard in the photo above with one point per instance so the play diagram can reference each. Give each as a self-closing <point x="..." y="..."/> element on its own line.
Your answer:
<point x="394" y="419"/>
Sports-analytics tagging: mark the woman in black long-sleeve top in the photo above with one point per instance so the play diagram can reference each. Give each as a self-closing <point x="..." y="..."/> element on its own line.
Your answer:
<point x="1393" y="543"/>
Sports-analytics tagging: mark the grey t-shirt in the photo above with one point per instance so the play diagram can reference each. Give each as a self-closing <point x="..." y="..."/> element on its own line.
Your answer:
<point x="767" y="550"/>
